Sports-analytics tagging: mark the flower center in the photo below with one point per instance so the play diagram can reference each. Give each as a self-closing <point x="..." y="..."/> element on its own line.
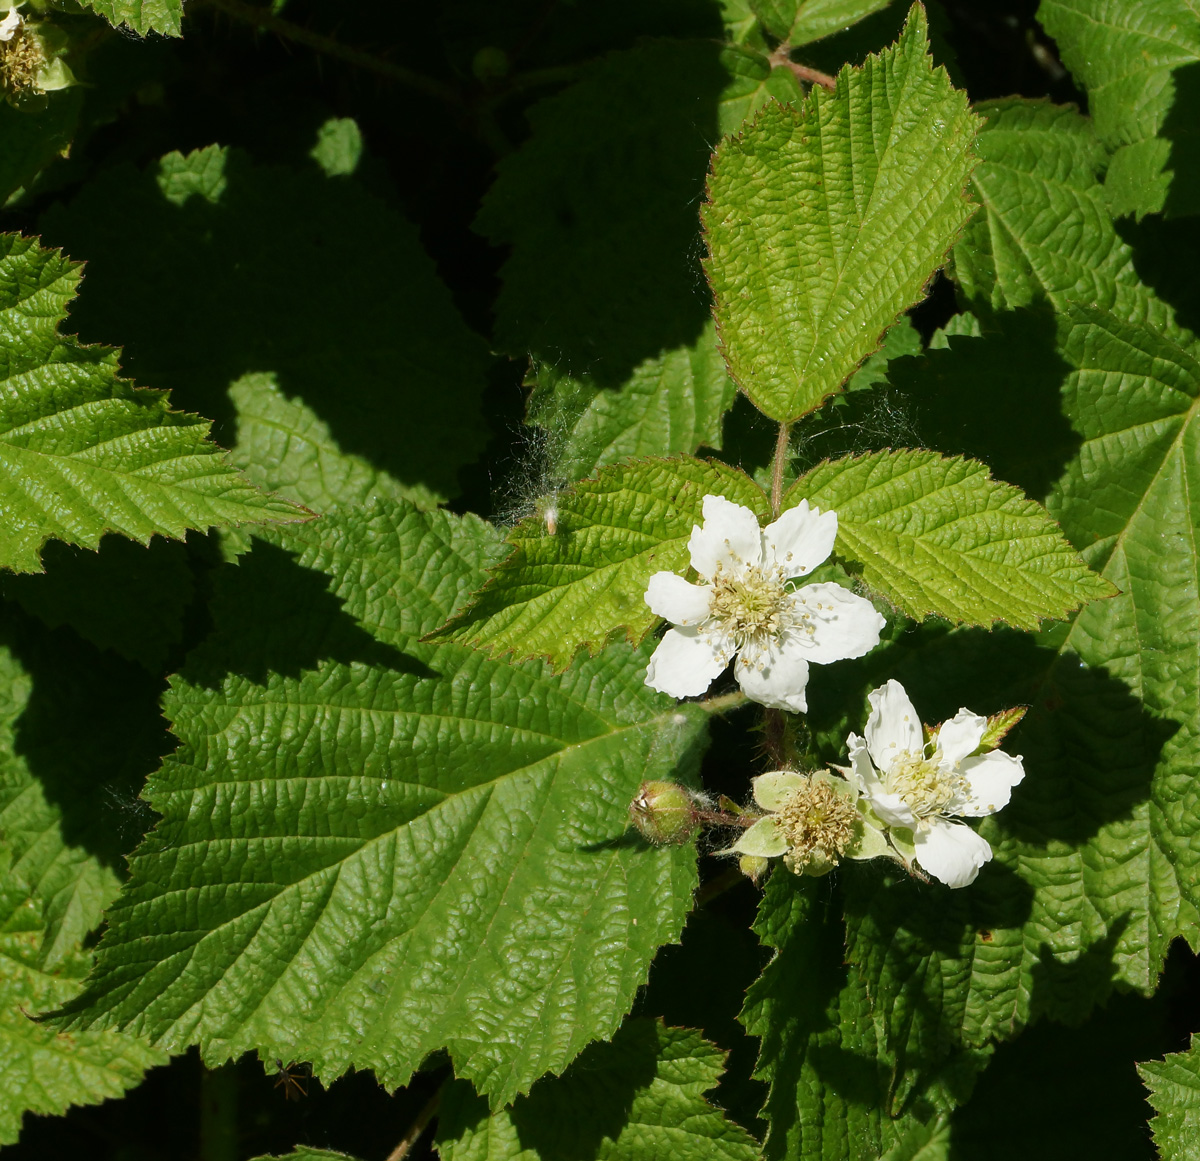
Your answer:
<point x="21" y="59"/>
<point x="817" y="821"/>
<point x="925" y="784"/>
<point x="752" y="607"/>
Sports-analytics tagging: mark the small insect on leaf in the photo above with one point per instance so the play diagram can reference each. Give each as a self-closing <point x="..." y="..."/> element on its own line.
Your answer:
<point x="293" y="1079"/>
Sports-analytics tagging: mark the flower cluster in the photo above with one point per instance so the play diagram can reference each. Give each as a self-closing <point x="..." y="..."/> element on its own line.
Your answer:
<point x="745" y="608"/>
<point x="906" y="786"/>
<point x="899" y="796"/>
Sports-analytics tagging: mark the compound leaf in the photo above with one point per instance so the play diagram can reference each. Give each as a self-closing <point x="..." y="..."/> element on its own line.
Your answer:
<point x="637" y="1098"/>
<point x="585" y="582"/>
<point x="937" y="535"/>
<point x="372" y="848"/>
<point x="1174" y="1085"/>
<point x="826" y="220"/>
<point x="83" y="452"/>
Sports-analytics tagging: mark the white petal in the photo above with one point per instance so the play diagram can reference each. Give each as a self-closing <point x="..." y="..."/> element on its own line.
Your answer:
<point x="730" y="538"/>
<point x="800" y="539"/>
<point x="839" y="624"/>
<point x="681" y="602"/>
<point x="991" y="778"/>
<point x="763" y="839"/>
<point x="893" y="726"/>
<point x="952" y="852"/>
<point x="685" y="663"/>
<point x="10" y="24"/>
<point x="776" y="678"/>
<point x="959" y="738"/>
<point x="890" y="807"/>
<point x="773" y="789"/>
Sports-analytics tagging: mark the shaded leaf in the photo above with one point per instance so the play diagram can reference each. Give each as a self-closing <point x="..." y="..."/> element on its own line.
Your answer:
<point x="637" y="1098"/>
<point x="83" y="452"/>
<point x="801" y="21"/>
<point x="265" y="269"/>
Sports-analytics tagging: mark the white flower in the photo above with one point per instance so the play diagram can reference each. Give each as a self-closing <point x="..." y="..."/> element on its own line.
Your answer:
<point x="10" y="24"/>
<point x="745" y="608"/>
<point x="917" y="786"/>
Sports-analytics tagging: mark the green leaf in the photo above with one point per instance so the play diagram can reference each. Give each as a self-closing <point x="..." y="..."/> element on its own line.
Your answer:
<point x="937" y="535"/>
<point x="283" y="445"/>
<point x="125" y="597"/>
<point x="71" y="720"/>
<point x="79" y="731"/>
<point x="1139" y="63"/>
<point x="143" y="16"/>
<point x="607" y="183"/>
<point x="309" y="278"/>
<point x="638" y="1098"/>
<point x="1095" y="865"/>
<point x="1045" y="231"/>
<point x="45" y="1071"/>
<point x="339" y="147"/>
<point x="1174" y="1085"/>
<point x="672" y="403"/>
<point x="754" y="82"/>
<point x="83" y="452"/>
<point x="802" y="21"/>
<point x="811" y="204"/>
<point x="823" y="1050"/>
<point x="585" y="583"/>
<point x="372" y="848"/>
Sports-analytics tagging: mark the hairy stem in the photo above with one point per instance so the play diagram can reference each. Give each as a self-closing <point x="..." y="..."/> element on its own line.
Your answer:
<point x="777" y="466"/>
<point x="781" y="58"/>
<point x="724" y="703"/>
<point x="775" y="738"/>
<point x="418" y="1126"/>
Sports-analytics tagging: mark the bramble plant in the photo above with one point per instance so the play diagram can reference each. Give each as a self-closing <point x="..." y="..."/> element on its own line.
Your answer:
<point x="485" y="661"/>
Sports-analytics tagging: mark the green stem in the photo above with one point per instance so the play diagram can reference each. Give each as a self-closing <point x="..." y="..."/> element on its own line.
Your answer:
<point x="218" y="1114"/>
<point x="724" y="703"/>
<point x="782" y="58"/>
<point x="725" y="881"/>
<point x="778" y="464"/>
<point x="417" y="1127"/>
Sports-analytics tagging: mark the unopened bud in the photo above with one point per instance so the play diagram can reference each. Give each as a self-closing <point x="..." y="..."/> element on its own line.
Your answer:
<point x="753" y="866"/>
<point x="663" y="813"/>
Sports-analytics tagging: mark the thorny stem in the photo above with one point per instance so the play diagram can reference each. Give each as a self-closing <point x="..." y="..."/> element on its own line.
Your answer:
<point x="417" y="1127"/>
<point x="781" y="58"/>
<point x="777" y="466"/>
<point x="721" y="818"/>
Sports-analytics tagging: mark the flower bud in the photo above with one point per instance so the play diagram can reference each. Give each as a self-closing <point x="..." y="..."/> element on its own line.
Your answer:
<point x="753" y="866"/>
<point x="663" y="813"/>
